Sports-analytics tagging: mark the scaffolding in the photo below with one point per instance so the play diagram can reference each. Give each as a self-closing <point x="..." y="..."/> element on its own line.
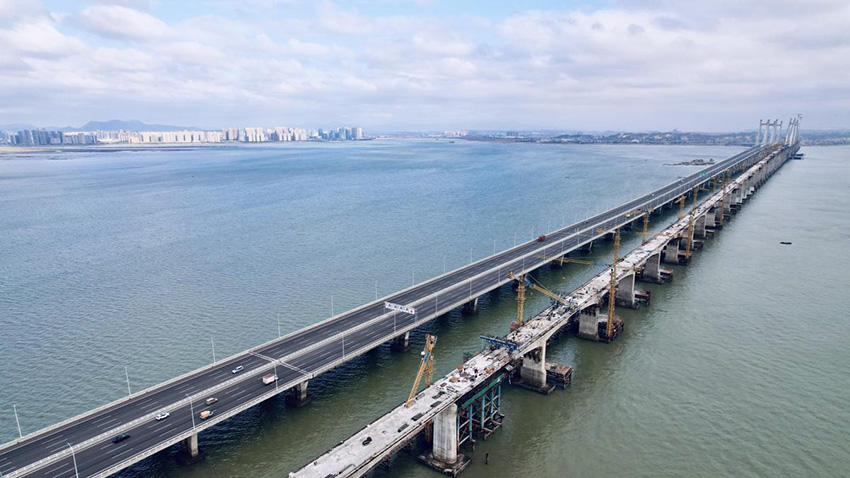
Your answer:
<point x="480" y="416"/>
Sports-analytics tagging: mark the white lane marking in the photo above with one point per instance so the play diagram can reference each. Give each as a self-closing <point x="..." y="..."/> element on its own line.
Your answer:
<point x="107" y="417"/>
<point x="125" y="451"/>
<point x="64" y="465"/>
<point x="108" y="422"/>
<point x="52" y="440"/>
<point x="243" y="392"/>
<point x="231" y="390"/>
<point x="170" y="431"/>
<point x="152" y="406"/>
<point x="117" y="448"/>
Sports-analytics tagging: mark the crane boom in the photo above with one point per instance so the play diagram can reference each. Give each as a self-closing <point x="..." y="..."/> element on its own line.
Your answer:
<point x="426" y="368"/>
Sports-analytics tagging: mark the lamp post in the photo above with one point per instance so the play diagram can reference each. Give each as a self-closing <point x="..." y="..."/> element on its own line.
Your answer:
<point x="18" y="422"/>
<point x="191" y="411"/>
<point x="127" y="374"/>
<point x="278" y="325"/>
<point x="74" y="457"/>
<point x="212" y="341"/>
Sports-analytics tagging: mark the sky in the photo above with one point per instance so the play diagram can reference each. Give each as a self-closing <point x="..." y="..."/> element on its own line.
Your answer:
<point x="396" y="65"/>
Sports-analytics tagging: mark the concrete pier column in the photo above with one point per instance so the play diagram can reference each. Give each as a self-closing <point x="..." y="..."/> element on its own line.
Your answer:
<point x="401" y="343"/>
<point x="626" y="292"/>
<point x="699" y="227"/>
<point x="652" y="269"/>
<point x="587" y="247"/>
<point x="470" y="307"/>
<point x="588" y="324"/>
<point x="189" y="452"/>
<point x="671" y="251"/>
<point x="445" y="436"/>
<point x="298" y="395"/>
<point x="533" y="371"/>
<point x="718" y="215"/>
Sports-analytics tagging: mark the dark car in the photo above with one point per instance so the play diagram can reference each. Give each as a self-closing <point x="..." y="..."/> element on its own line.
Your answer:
<point x="120" y="438"/>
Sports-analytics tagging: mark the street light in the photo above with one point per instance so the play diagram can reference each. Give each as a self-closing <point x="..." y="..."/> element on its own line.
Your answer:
<point x="191" y="411"/>
<point x="127" y="374"/>
<point x="15" y="407"/>
<point x="74" y="457"/>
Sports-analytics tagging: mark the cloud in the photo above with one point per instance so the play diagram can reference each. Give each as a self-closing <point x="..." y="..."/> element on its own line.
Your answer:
<point x="40" y="38"/>
<point x="643" y="65"/>
<point x="121" y="23"/>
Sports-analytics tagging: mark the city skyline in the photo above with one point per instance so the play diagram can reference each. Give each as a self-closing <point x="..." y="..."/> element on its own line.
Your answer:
<point x="426" y="65"/>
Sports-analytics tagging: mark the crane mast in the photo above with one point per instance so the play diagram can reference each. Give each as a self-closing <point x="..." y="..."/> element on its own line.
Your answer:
<point x="426" y="368"/>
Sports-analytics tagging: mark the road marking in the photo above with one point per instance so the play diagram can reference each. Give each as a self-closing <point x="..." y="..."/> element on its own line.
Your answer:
<point x="231" y="390"/>
<point x="241" y="393"/>
<point x="108" y="422"/>
<point x="293" y="367"/>
<point x="119" y="447"/>
<point x="64" y="465"/>
<point x="150" y="407"/>
<point x="49" y="442"/>
<point x="107" y="417"/>
<point x="170" y="431"/>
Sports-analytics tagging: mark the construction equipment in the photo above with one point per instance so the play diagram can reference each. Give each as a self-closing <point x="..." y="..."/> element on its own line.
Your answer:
<point x="645" y="223"/>
<point x="426" y="368"/>
<point x="525" y="282"/>
<point x="572" y="260"/>
<point x="612" y="292"/>
<point x="690" y="238"/>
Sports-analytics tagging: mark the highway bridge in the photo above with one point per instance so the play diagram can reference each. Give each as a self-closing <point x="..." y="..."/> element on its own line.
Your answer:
<point x="465" y="404"/>
<point x="82" y="445"/>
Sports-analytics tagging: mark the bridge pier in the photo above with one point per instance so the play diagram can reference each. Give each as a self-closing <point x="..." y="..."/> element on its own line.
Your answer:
<point x="298" y="395"/>
<point x="189" y="452"/>
<point x="470" y="307"/>
<point x="626" y="292"/>
<point x="699" y="226"/>
<point x="533" y="371"/>
<point x="401" y="343"/>
<point x="587" y="248"/>
<point x="652" y="269"/>
<point x="670" y="254"/>
<point x="444" y="456"/>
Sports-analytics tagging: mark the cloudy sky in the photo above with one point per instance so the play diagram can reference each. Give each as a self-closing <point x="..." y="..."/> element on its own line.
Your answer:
<point x="403" y="65"/>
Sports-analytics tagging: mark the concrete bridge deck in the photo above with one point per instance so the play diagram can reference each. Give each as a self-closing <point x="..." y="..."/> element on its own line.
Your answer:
<point x="304" y="354"/>
<point x="378" y="441"/>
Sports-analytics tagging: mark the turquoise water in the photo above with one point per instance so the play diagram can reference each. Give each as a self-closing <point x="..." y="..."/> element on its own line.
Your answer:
<point x="137" y="259"/>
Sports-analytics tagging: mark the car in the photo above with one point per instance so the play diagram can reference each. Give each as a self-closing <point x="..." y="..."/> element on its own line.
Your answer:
<point x="238" y="369"/>
<point x="211" y="400"/>
<point x="206" y="414"/>
<point x="120" y="438"/>
<point x="162" y="416"/>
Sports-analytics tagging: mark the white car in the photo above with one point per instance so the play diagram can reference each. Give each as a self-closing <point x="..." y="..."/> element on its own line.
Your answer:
<point x="238" y="369"/>
<point x="162" y="416"/>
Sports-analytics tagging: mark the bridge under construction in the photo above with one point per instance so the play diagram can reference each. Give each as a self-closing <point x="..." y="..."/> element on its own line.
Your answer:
<point x="456" y="409"/>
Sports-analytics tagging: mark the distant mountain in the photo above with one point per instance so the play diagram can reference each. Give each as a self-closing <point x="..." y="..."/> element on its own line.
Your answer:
<point x="16" y="127"/>
<point x="132" y="125"/>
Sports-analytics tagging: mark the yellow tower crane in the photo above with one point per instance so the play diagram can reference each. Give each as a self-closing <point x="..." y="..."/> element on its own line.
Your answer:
<point x="681" y="202"/>
<point x="690" y="238"/>
<point x="645" y="223"/>
<point x="426" y="368"/>
<point x="612" y="292"/>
